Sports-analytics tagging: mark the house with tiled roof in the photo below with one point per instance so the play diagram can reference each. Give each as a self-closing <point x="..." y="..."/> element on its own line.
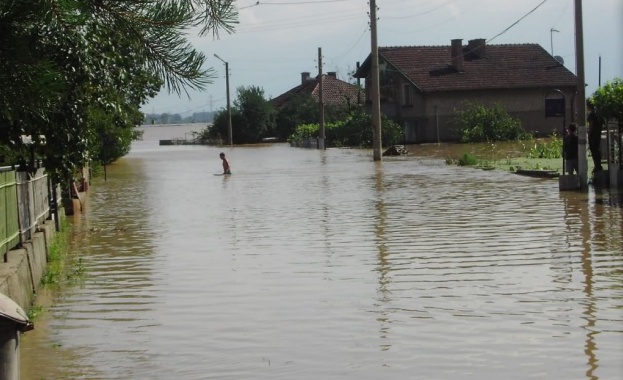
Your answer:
<point x="335" y="92"/>
<point x="423" y="87"/>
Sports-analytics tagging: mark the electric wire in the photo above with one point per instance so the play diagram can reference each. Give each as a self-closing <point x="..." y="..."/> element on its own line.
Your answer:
<point x="517" y="22"/>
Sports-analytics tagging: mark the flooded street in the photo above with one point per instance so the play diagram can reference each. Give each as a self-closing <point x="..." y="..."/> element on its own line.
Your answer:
<point x="308" y="264"/>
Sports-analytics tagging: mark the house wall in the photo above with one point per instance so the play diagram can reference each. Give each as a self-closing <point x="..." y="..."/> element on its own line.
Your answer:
<point x="528" y="105"/>
<point x="431" y="117"/>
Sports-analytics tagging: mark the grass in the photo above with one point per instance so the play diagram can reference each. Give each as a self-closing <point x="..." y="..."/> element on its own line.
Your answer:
<point x="57" y="271"/>
<point x="34" y="312"/>
<point x="527" y="155"/>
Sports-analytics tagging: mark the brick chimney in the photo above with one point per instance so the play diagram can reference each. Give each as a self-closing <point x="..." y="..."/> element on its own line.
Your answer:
<point x="456" y="53"/>
<point x="304" y="77"/>
<point x="332" y="74"/>
<point x="477" y="47"/>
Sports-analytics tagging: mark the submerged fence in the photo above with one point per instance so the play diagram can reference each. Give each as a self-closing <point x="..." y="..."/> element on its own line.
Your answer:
<point x="9" y="223"/>
<point x="26" y="201"/>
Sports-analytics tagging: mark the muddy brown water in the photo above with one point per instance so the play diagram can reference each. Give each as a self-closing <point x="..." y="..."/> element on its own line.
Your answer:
<point x="309" y="264"/>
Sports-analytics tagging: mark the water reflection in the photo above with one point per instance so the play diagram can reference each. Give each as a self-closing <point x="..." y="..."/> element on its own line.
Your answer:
<point x="322" y="264"/>
<point x="383" y="262"/>
<point x="590" y="219"/>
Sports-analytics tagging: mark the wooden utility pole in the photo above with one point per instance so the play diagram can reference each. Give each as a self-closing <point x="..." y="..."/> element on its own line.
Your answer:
<point x="581" y="95"/>
<point x="320" y="101"/>
<point x="374" y="87"/>
<point x="230" y="139"/>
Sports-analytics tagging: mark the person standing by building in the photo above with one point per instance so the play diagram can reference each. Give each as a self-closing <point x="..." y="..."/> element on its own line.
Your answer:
<point x="595" y="125"/>
<point x="570" y="149"/>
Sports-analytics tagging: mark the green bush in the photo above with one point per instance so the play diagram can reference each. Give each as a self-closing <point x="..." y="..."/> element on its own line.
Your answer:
<point x="468" y="160"/>
<point x="354" y="130"/>
<point x="551" y="148"/>
<point x="608" y="100"/>
<point x="477" y="123"/>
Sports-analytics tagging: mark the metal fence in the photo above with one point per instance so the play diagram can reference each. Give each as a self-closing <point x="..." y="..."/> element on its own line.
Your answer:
<point x="33" y="201"/>
<point x="9" y="224"/>
<point x="26" y="201"/>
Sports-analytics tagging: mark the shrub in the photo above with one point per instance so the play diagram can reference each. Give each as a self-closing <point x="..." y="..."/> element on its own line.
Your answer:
<point x="608" y="100"/>
<point x="477" y="123"/>
<point x="468" y="160"/>
<point x="355" y="130"/>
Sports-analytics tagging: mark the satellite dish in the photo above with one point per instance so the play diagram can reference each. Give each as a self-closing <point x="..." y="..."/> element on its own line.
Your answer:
<point x="559" y="59"/>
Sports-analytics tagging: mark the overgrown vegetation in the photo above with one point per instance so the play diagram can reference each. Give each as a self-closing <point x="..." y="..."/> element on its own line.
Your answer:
<point x="355" y="130"/>
<point x="56" y="272"/>
<point x="542" y="154"/>
<point x="550" y="148"/>
<point x="608" y="100"/>
<point x="478" y="123"/>
<point x="303" y="109"/>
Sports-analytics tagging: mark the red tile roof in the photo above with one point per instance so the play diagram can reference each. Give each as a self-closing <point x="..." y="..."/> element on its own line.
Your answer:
<point x="502" y="67"/>
<point x="334" y="91"/>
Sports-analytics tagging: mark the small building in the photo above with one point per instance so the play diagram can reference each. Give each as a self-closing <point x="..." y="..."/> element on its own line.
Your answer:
<point x="423" y="87"/>
<point x="335" y="92"/>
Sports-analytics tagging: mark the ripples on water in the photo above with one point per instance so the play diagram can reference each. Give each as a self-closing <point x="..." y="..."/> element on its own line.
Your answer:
<point x="323" y="265"/>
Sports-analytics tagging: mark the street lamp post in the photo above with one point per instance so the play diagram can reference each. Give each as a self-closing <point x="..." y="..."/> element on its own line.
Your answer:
<point x="229" y="129"/>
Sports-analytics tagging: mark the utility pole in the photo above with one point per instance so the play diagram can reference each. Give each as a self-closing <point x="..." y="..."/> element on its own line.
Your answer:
<point x="229" y="129"/>
<point x="321" y="101"/>
<point x="374" y="86"/>
<point x="599" y="83"/>
<point x="581" y="95"/>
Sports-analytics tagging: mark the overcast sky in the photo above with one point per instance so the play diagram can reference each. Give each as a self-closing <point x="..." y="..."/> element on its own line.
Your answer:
<point x="276" y="40"/>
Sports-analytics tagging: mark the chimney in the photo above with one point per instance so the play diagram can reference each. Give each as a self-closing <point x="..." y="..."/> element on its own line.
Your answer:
<point x="456" y="53"/>
<point x="477" y="47"/>
<point x="304" y="77"/>
<point x="332" y="74"/>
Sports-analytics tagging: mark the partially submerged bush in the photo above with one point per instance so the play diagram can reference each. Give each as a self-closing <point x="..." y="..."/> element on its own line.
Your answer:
<point x="477" y="123"/>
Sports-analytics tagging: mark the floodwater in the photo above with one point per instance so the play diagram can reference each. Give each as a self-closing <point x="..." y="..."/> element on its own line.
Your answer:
<point x="309" y="264"/>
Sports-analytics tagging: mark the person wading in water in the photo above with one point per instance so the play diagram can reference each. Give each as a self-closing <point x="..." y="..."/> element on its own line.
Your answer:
<point x="226" y="169"/>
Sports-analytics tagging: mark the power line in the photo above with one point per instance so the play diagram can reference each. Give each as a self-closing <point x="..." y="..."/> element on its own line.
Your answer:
<point x="517" y="22"/>
<point x="301" y="22"/>
<point x="293" y="3"/>
<point x="421" y="13"/>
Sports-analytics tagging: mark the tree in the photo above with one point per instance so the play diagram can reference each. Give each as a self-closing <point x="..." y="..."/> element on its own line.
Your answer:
<point x="303" y="109"/>
<point x="63" y="61"/>
<point x="252" y="118"/>
<point x="300" y="109"/>
<point x="608" y="100"/>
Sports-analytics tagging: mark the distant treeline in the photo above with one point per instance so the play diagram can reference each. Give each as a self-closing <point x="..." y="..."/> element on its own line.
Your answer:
<point x="176" y="118"/>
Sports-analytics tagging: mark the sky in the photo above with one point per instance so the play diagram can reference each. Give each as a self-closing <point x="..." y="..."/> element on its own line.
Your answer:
<point x="276" y="40"/>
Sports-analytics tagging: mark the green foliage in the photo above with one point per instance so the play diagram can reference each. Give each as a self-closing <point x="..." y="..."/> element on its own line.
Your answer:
<point x="305" y="131"/>
<point x="549" y="148"/>
<point x="59" y="248"/>
<point x="252" y="118"/>
<point x="257" y="117"/>
<point x="477" y="123"/>
<point x="300" y="109"/>
<point x="608" y="100"/>
<point x="111" y="139"/>
<point x="467" y="160"/>
<point x="61" y="62"/>
<point x="34" y="312"/>
<point x="354" y="130"/>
